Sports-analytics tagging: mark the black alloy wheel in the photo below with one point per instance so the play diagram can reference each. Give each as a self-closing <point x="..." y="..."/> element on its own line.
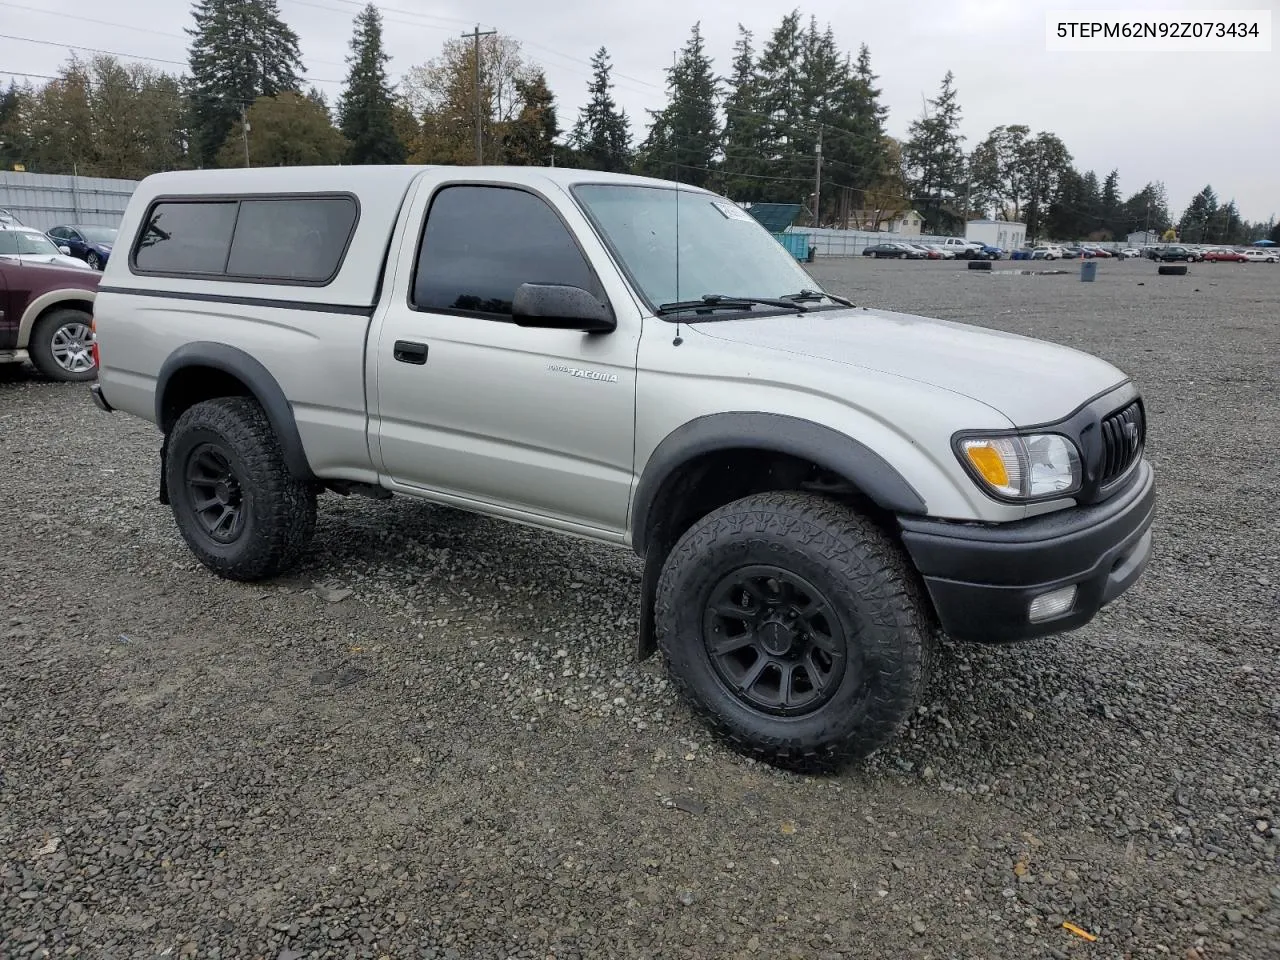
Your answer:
<point x="774" y="641"/>
<point x="216" y="493"/>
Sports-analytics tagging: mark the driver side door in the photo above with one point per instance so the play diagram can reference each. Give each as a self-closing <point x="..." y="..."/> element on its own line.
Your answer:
<point x="530" y="423"/>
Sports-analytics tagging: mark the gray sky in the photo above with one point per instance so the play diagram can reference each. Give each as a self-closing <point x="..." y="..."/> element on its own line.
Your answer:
<point x="1185" y="118"/>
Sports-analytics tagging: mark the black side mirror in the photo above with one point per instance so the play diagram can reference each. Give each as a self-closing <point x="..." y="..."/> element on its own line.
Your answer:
<point x="561" y="307"/>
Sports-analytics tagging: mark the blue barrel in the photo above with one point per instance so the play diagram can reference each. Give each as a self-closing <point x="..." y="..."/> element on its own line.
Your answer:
<point x="1088" y="270"/>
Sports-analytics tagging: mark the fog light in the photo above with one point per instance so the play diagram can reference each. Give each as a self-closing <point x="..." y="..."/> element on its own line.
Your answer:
<point x="1052" y="604"/>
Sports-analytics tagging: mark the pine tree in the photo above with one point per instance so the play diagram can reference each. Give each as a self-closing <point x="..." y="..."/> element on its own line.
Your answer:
<point x="742" y="122"/>
<point x="785" y="128"/>
<point x="11" y="145"/>
<point x="1112" y="207"/>
<point x="1090" y="211"/>
<point x="530" y="139"/>
<point x="602" y="135"/>
<point x="1199" y="221"/>
<point x="685" y="137"/>
<point x="241" y="50"/>
<point x="365" y="107"/>
<point x="934" y="156"/>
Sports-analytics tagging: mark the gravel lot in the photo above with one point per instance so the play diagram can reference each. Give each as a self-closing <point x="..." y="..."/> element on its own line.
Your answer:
<point x="432" y="741"/>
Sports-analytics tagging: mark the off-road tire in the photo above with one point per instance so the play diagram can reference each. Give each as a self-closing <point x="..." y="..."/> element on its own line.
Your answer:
<point x="279" y="509"/>
<point x="872" y="590"/>
<point x="40" y="346"/>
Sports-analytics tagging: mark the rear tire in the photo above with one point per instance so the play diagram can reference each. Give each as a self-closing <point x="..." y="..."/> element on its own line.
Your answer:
<point x="61" y="346"/>
<point x="240" y="510"/>
<point x="836" y="656"/>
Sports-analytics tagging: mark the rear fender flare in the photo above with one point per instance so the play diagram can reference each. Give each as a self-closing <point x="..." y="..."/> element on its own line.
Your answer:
<point x="257" y="379"/>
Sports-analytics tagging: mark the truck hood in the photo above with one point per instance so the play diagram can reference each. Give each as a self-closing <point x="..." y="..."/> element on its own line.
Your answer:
<point x="1027" y="380"/>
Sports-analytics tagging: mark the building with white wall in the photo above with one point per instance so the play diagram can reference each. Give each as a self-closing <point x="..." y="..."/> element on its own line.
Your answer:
<point x="1005" y="234"/>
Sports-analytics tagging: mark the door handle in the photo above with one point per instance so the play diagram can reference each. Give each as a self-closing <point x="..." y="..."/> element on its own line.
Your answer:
<point x="406" y="351"/>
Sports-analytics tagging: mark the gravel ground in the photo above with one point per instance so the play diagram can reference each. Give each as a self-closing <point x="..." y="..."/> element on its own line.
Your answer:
<point x="431" y="742"/>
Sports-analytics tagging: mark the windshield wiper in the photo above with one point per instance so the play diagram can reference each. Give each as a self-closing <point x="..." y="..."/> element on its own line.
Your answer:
<point x="806" y="295"/>
<point x="719" y="301"/>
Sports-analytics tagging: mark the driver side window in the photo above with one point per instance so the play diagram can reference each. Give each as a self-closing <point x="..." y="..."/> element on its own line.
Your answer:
<point x="480" y="243"/>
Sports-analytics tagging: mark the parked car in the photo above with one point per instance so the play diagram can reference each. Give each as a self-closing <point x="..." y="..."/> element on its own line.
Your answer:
<point x="1261" y="254"/>
<point x="929" y="252"/>
<point x="900" y="251"/>
<point x="937" y="252"/>
<point x="814" y="488"/>
<point x="991" y="252"/>
<point x="1130" y="253"/>
<point x="89" y="243"/>
<point x="46" y="315"/>
<point x="1223" y="255"/>
<point x="1100" y="253"/>
<point x="9" y="218"/>
<point x="1073" y="253"/>
<point x="1024" y="252"/>
<point x="31" y="246"/>
<point x="1176" y="252"/>
<point x="1047" y="252"/>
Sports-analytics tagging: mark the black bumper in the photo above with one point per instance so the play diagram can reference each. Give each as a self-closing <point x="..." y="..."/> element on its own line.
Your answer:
<point x="982" y="579"/>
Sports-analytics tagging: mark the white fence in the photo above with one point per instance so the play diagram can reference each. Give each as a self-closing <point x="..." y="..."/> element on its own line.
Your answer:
<point x="45" y="200"/>
<point x="851" y="243"/>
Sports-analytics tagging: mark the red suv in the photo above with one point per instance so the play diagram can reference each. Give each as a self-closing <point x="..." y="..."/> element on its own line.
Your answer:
<point x="46" y="316"/>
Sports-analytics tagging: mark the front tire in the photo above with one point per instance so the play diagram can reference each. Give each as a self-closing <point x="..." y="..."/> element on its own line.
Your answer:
<point x="93" y="260"/>
<point x="240" y="510"/>
<point x="795" y="628"/>
<point x="61" y="346"/>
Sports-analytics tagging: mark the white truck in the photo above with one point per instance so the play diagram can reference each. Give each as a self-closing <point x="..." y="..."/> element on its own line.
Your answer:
<point x="815" y="487"/>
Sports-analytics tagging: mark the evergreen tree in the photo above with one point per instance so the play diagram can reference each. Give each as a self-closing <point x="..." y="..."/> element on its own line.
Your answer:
<point x="1198" y="220"/>
<point x="934" y="157"/>
<point x="742" y="123"/>
<point x="784" y="129"/>
<point x="1046" y="162"/>
<point x="1090" y="211"/>
<point x="1148" y="209"/>
<point x="12" y="145"/>
<point x="241" y="50"/>
<point x="530" y="139"/>
<point x="365" y="107"/>
<point x="684" y="139"/>
<point x="602" y="135"/>
<point x="1112" y="206"/>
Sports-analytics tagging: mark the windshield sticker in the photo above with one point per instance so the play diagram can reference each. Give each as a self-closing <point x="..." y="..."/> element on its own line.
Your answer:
<point x="731" y="211"/>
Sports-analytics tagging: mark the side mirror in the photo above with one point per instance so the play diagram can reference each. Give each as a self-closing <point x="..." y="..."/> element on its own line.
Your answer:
<point x="561" y="307"/>
<point x="65" y="251"/>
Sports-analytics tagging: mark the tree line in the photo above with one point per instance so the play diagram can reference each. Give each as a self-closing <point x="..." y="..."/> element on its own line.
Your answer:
<point x="793" y="101"/>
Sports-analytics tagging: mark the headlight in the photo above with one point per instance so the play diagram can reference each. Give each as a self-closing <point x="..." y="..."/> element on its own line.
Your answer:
<point x="1024" y="467"/>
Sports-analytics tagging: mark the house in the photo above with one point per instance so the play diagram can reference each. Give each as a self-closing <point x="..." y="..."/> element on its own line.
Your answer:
<point x="908" y="224"/>
<point x="1005" y="234"/>
<point x="1143" y="238"/>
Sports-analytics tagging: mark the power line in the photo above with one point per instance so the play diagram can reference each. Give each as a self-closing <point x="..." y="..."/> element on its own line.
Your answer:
<point x="77" y="18"/>
<point x="128" y="56"/>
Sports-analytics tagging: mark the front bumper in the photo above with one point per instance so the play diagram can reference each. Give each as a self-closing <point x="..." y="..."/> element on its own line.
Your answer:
<point x="982" y="578"/>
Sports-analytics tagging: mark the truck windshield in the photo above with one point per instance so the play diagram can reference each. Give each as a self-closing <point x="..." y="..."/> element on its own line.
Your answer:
<point x="716" y="247"/>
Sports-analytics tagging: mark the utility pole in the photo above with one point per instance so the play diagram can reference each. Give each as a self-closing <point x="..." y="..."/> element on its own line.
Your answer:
<point x="475" y="36"/>
<point x="244" y="126"/>
<point x="817" y="179"/>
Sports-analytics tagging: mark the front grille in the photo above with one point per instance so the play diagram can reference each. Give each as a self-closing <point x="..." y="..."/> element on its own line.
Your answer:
<point x="1124" y="434"/>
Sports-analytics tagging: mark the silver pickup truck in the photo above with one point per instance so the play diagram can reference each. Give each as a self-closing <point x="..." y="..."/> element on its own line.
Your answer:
<point x="815" y="487"/>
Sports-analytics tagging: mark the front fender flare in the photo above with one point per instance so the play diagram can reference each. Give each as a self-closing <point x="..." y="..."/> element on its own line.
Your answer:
<point x="773" y="433"/>
<point x="261" y="384"/>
